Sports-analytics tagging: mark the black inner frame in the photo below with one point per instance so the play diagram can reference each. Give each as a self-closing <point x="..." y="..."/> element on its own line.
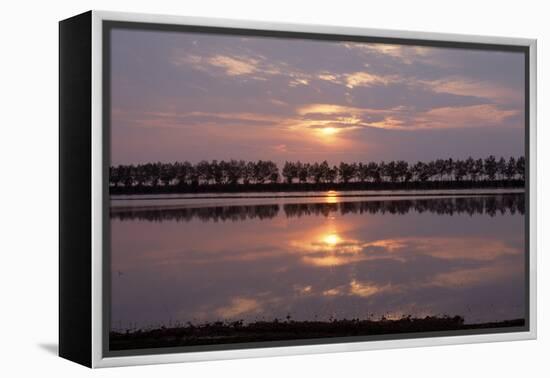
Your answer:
<point x="108" y="26"/>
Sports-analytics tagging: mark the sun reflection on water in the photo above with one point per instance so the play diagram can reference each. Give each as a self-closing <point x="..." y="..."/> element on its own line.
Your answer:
<point x="331" y="196"/>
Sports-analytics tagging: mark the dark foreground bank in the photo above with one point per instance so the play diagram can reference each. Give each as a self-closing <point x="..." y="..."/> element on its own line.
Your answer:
<point x="238" y="332"/>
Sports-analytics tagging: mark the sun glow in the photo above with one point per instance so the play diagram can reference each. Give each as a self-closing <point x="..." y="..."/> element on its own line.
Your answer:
<point x="331" y="197"/>
<point x="331" y="239"/>
<point x="329" y="130"/>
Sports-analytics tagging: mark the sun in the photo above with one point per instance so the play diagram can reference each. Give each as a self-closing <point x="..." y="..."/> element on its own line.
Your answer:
<point x="329" y="130"/>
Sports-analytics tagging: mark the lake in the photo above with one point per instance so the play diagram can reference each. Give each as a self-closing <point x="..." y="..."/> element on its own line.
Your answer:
<point x="323" y="256"/>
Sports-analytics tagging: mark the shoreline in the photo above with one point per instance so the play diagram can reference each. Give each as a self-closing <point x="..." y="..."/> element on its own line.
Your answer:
<point x="276" y="330"/>
<point x="279" y="187"/>
<point x="324" y="194"/>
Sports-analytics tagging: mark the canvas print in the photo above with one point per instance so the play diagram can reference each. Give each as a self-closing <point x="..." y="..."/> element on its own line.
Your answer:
<point x="287" y="190"/>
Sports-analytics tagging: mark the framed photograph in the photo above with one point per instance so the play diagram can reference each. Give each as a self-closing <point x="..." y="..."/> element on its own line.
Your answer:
<point x="236" y="189"/>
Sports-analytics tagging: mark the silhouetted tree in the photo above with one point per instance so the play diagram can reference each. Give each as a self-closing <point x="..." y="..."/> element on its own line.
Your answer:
<point x="332" y="174"/>
<point x="511" y="169"/>
<point x="290" y="172"/>
<point x="460" y="170"/>
<point x="520" y="167"/>
<point x="315" y="173"/>
<point x="303" y="171"/>
<point x="374" y="172"/>
<point x="114" y="176"/>
<point x="479" y="169"/>
<point x="346" y="172"/>
<point x="439" y="168"/>
<point x="490" y="166"/>
<point x="501" y="168"/>
<point x="449" y="168"/>
<point x="470" y="166"/>
<point x="402" y="170"/>
<point x="362" y="172"/>
<point x="248" y="172"/>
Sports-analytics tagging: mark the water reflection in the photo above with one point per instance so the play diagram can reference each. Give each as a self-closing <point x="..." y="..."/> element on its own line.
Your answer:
<point x="491" y="205"/>
<point x="455" y="256"/>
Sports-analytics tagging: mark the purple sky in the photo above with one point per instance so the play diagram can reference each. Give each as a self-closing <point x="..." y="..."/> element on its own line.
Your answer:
<point x="187" y="96"/>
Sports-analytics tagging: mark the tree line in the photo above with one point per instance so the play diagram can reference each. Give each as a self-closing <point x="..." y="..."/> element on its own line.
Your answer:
<point x="240" y="172"/>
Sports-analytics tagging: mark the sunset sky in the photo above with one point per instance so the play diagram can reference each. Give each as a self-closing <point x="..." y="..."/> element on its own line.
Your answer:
<point x="187" y="96"/>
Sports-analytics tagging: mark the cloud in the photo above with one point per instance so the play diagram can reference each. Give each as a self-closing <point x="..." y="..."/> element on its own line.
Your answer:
<point x="278" y="102"/>
<point x="464" y="86"/>
<point x="366" y="290"/>
<point x="329" y="76"/>
<point x="341" y="113"/>
<point x="359" y="289"/>
<point x="303" y="290"/>
<point x="333" y="292"/>
<point x="298" y="81"/>
<point x="334" y="125"/>
<point x="404" y="118"/>
<point x="239" y="306"/>
<point x="390" y="123"/>
<point x="403" y="53"/>
<point x="462" y="117"/>
<point x="254" y="67"/>
<point x="317" y="119"/>
<point x="475" y="276"/>
<point x="259" y="68"/>
<point x="323" y="116"/>
<point x="366" y="79"/>
<point x="171" y="119"/>
<point x="234" y="66"/>
<point x="327" y="109"/>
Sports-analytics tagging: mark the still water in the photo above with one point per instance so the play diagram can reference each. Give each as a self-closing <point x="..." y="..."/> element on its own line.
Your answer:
<point x="327" y="257"/>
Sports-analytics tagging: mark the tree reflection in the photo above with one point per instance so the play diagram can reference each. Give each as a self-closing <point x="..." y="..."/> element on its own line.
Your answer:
<point x="215" y="213"/>
<point x="490" y="205"/>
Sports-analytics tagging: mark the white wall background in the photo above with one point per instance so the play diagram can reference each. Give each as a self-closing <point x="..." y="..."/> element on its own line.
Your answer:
<point x="28" y="158"/>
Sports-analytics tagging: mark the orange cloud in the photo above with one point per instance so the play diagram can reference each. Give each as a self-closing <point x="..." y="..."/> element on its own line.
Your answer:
<point x="303" y="290"/>
<point x="239" y="306"/>
<point x="328" y="76"/>
<point x="333" y="292"/>
<point x="360" y="289"/>
<point x="328" y="109"/>
<point x="366" y="290"/>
